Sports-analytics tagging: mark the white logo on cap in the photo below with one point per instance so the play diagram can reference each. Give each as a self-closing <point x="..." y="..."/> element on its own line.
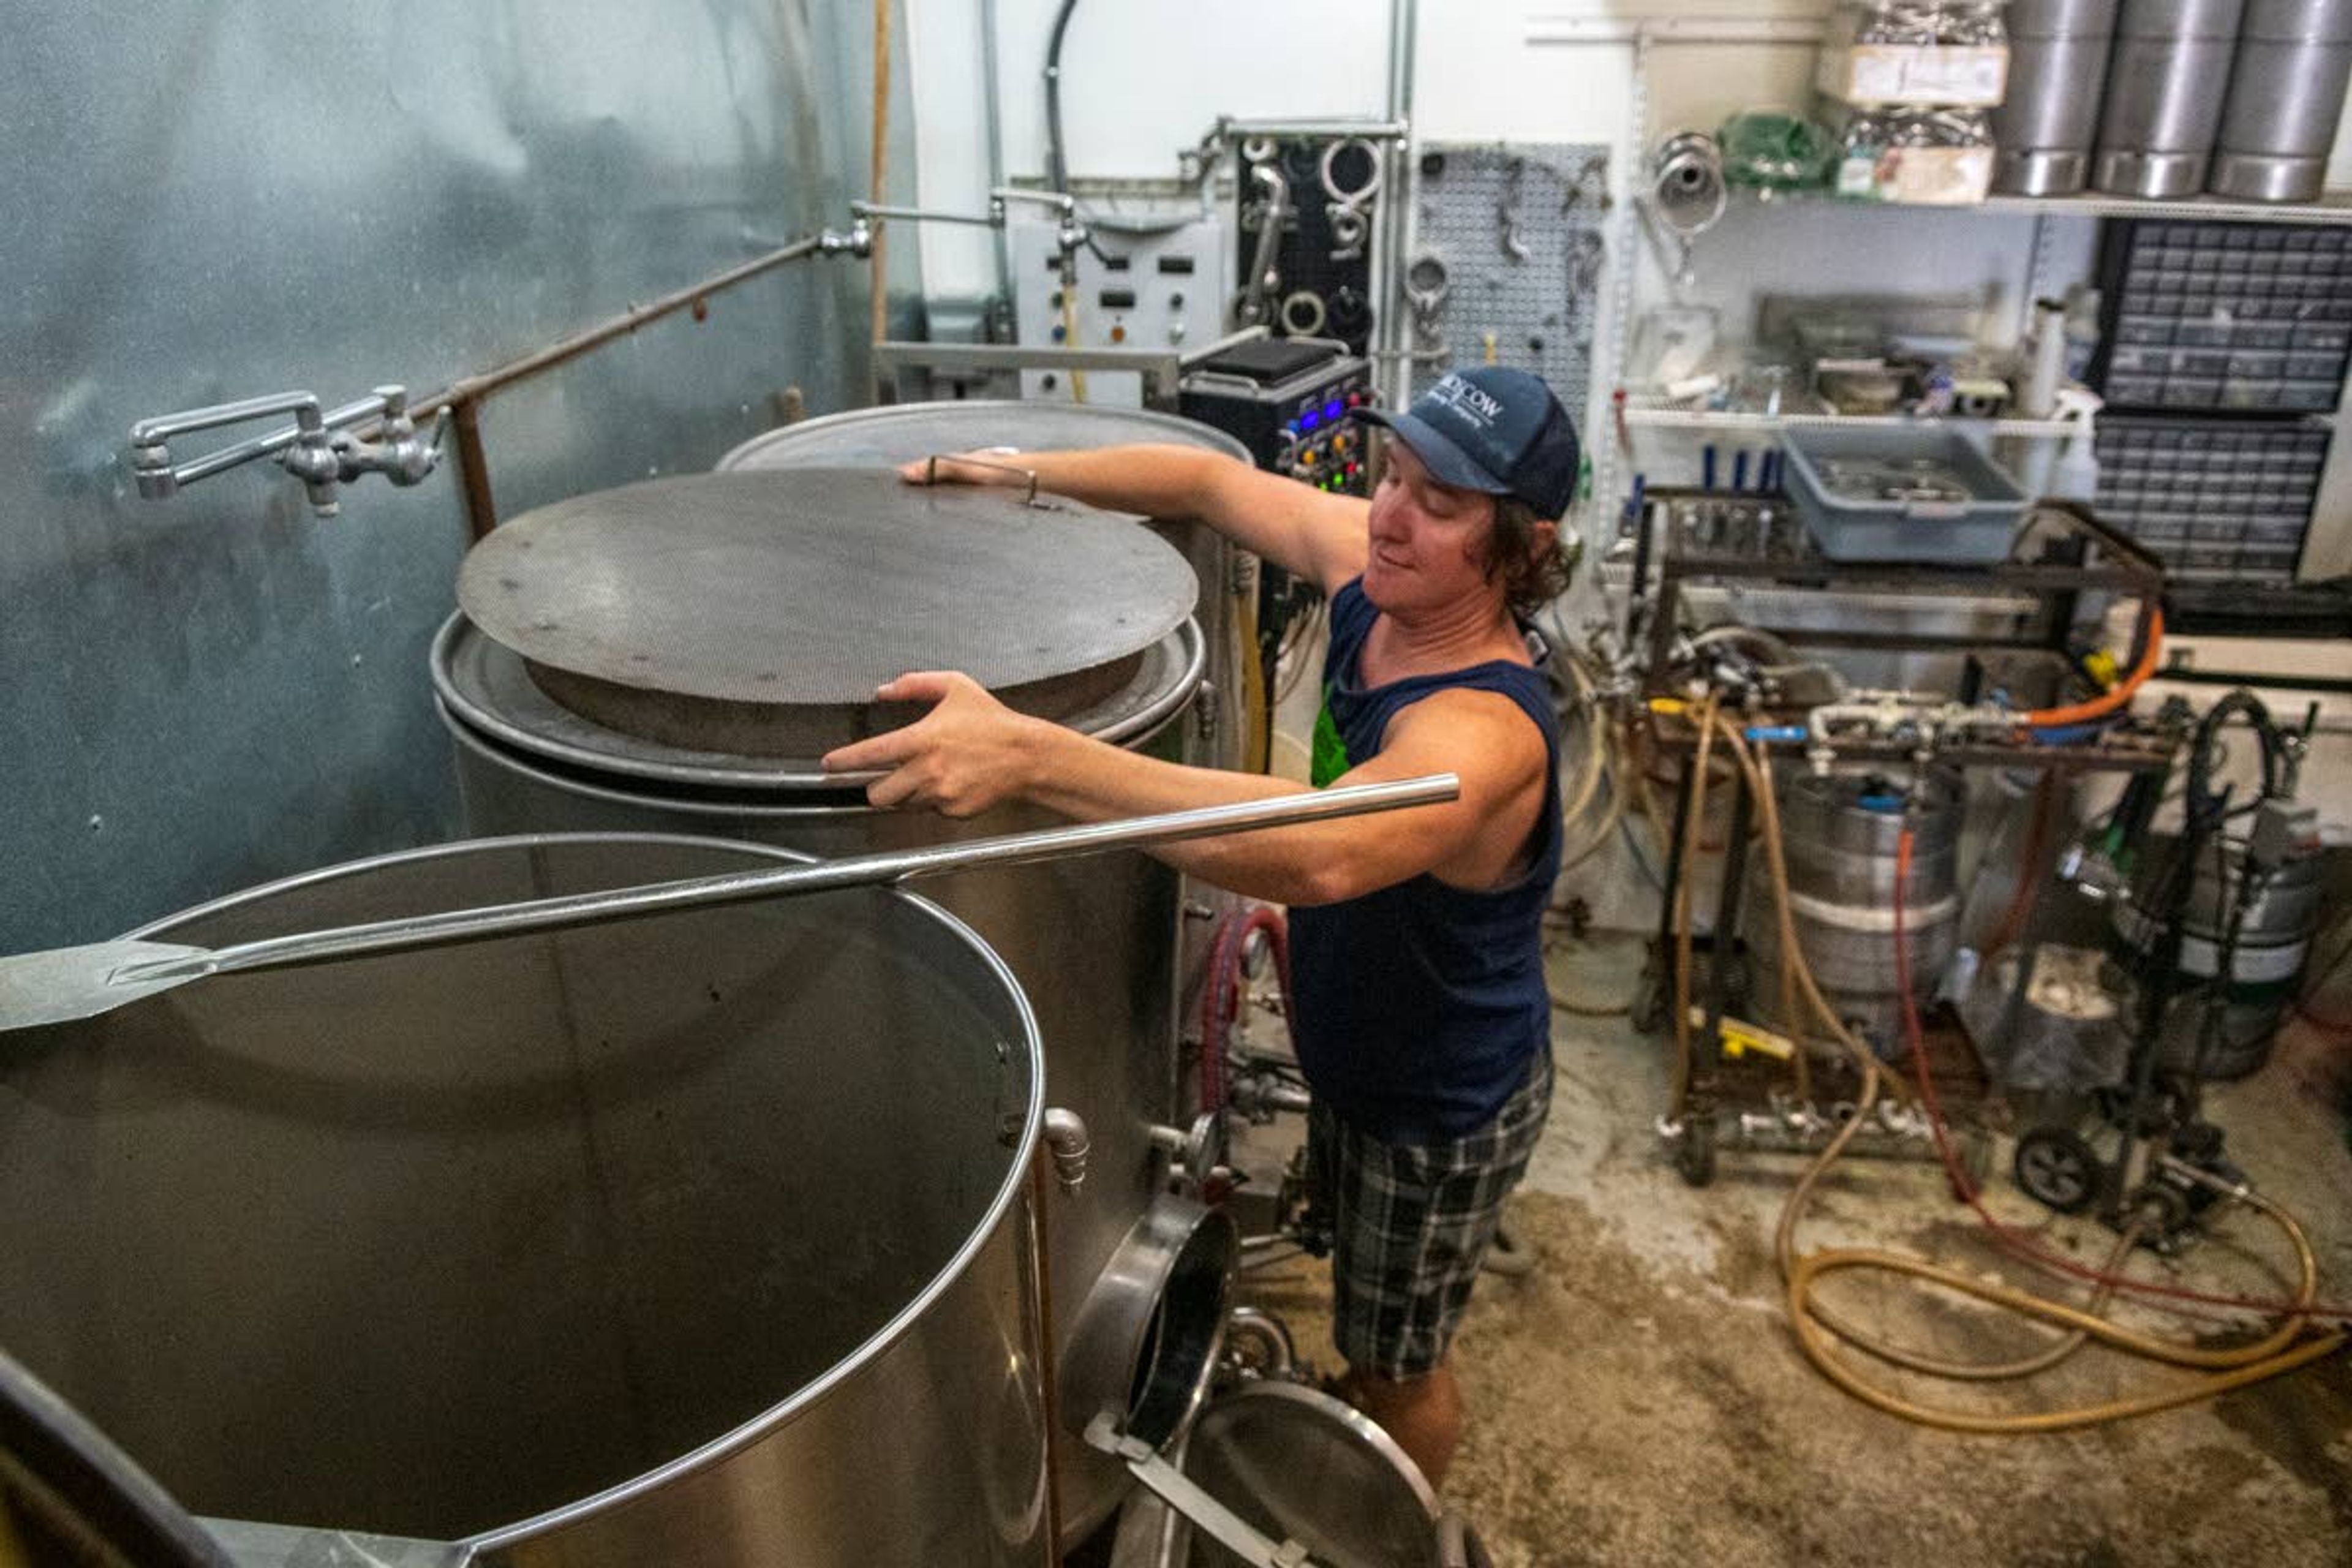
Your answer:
<point x="1457" y="393"/>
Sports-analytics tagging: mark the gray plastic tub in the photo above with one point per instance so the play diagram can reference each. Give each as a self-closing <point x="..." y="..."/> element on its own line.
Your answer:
<point x="1923" y="494"/>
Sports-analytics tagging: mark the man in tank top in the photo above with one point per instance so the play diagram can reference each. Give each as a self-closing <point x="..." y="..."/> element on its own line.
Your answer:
<point x="1423" y="1026"/>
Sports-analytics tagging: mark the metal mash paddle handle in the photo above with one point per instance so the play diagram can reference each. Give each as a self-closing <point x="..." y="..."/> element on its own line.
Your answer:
<point x="860" y="870"/>
<point x="1184" y="1495"/>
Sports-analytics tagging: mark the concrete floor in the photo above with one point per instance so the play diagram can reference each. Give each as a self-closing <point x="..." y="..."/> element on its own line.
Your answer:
<point x="1639" y="1398"/>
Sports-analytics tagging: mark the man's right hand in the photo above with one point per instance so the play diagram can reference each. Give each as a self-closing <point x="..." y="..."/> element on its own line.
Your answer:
<point x="984" y="466"/>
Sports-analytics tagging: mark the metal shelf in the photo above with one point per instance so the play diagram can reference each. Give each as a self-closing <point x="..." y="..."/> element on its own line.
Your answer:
<point x="1654" y="417"/>
<point x="2333" y="209"/>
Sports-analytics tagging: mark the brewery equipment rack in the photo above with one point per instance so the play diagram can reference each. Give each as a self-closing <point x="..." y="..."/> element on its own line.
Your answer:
<point x="1716" y="538"/>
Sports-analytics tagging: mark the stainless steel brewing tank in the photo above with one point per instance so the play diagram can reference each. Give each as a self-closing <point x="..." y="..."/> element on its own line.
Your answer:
<point x="1097" y="942"/>
<point x="1840" y="834"/>
<point x="693" y="1240"/>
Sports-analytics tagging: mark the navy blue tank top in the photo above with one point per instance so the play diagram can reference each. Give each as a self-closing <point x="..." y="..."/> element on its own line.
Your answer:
<point x="1422" y="1006"/>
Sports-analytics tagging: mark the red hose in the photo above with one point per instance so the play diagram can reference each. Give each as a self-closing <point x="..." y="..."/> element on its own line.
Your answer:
<point x="1221" y="994"/>
<point x="2016" y="1241"/>
<point x="2107" y="703"/>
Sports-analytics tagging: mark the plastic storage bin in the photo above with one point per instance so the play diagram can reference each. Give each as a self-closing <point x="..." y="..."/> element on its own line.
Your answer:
<point x="1965" y="511"/>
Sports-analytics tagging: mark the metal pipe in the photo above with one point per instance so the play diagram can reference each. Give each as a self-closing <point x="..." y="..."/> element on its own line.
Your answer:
<point x="1391" y="356"/>
<point x="1049" y="1372"/>
<point x="1060" y="201"/>
<point x="310" y="422"/>
<point x="924" y="215"/>
<point x="153" y="432"/>
<point x="1057" y="166"/>
<point x="992" y="105"/>
<point x="857" y="241"/>
<point x="1066" y="1137"/>
<point x="884" y="869"/>
<point x="1161" y="369"/>
<point x="878" y="169"/>
<point x="1371" y="129"/>
<point x="474" y="470"/>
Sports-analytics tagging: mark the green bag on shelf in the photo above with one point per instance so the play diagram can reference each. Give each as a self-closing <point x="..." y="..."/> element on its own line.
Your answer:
<point x="1767" y="150"/>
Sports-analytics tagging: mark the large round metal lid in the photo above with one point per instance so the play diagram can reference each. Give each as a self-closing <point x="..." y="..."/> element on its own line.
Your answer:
<point x="902" y="432"/>
<point x="756" y="613"/>
<point x="1301" y="1465"/>
<point x="490" y="692"/>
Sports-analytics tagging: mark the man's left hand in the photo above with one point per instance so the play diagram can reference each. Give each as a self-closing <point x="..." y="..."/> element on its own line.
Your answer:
<point x="968" y="753"/>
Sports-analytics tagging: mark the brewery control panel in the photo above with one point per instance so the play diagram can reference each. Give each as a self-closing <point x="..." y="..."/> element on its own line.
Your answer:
<point x="1287" y="400"/>
<point x="1162" y="287"/>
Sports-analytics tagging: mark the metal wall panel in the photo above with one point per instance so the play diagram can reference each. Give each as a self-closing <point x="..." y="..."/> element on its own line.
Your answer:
<point x="205" y="202"/>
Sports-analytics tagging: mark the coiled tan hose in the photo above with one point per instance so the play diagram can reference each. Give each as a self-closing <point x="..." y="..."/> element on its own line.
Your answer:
<point x="1818" y="1330"/>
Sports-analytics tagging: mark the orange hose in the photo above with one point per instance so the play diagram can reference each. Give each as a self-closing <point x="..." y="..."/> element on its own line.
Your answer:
<point x="2101" y="706"/>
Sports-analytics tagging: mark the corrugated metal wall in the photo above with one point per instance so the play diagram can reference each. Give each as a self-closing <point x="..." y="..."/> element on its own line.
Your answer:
<point x="205" y="202"/>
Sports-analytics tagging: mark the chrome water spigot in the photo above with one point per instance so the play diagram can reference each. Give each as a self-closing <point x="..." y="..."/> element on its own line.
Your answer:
<point x="316" y="448"/>
<point x="160" y="478"/>
<point x="311" y="459"/>
<point x="397" y="452"/>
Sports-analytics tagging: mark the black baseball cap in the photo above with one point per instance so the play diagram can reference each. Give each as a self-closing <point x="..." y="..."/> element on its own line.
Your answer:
<point x="1494" y="430"/>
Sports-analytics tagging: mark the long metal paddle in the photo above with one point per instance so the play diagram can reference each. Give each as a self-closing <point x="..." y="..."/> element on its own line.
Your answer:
<point x="71" y="983"/>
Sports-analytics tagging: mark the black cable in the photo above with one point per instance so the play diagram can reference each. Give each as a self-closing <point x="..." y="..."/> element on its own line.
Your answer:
<point x="1057" y="166"/>
<point x="2206" y="812"/>
<point x="2211" y="1023"/>
<point x="2204" y="754"/>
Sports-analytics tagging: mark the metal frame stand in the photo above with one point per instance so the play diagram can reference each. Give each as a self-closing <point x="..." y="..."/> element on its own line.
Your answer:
<point x="1714" y="537"/>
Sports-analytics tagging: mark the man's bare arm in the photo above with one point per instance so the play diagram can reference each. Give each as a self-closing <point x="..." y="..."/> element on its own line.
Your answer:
<point x="1311" y="534"/>
<point x="969" y="753"/>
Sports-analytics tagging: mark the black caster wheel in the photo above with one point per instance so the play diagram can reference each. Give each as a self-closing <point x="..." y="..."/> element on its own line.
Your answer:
<point x="2056" y="1168"/>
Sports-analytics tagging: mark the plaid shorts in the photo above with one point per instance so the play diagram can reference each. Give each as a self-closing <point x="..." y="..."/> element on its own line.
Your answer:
<point x="1410" y="1225"/>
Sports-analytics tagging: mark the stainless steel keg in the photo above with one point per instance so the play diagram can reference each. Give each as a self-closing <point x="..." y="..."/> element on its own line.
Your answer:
<point x="2166" y="76"/>
<point x="2223" y="1027"/>
<point x="2048" y="119"/>
<point x="1840" y="836"/>
<point x="2286" y="93"/>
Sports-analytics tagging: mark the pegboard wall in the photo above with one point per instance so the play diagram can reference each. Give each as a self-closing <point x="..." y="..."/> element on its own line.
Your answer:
<point x="1506" y="260"/>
